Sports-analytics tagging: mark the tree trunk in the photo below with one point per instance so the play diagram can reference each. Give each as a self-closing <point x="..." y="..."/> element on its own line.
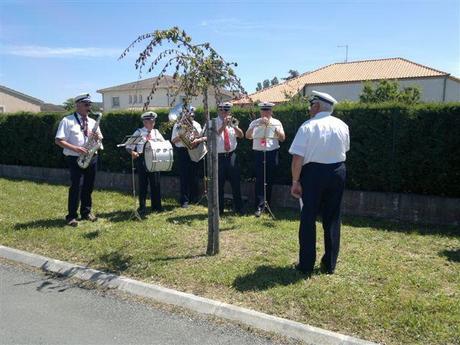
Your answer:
<point x="213" y="196"/>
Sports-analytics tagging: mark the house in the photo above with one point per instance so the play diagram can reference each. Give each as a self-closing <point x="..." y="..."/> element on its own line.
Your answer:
<point x="133" y="95"/>
<point x="345" y="81"/>
<point x="12" y="101"/>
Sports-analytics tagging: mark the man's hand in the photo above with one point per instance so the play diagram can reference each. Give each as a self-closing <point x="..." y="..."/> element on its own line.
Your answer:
<point x="296" y="189"/>
<point x="80" y="150"/>
<point x="264" y="121"/>
<point x="134" y="154"/>
<point x="95" y="135"/>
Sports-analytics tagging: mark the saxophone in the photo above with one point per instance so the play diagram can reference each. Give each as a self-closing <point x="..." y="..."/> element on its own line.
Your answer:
<point x="92" y="145"/>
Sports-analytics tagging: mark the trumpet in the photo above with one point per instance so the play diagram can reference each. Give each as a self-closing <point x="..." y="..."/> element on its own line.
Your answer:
<point x="233" y="122"/>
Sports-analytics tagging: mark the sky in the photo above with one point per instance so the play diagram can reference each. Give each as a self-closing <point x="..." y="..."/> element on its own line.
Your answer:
<point x="54" y="50"/>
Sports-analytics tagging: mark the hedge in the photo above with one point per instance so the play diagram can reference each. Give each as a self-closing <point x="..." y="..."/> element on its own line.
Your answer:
<point x="394" y="148"/>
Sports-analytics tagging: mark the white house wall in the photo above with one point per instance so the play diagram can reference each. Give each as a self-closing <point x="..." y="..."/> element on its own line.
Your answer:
<point x="431" y="89"/>
<point x="160" y="99"/>
<point x="452" y="90"/>
<point x="13" y="104"/>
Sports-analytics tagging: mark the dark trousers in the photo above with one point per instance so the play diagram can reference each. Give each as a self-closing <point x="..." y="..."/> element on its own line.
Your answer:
<point x="188" y="173"/>
<point x="80" y="194"/>
<point x="322" y="190"/>
<point x="146" y="178"/>
<point x="272" y="159"/>
<point x="229" y="170"/>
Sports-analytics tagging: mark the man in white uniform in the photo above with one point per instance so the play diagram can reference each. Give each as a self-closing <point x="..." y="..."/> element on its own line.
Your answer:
<point x="274" y="134"/>
<point x="73" y="133"/>
<point x="318" y="177"/>
<point x="188" y="169"/>
<point x="146" y="177"/>
<point x="229" y="166"/>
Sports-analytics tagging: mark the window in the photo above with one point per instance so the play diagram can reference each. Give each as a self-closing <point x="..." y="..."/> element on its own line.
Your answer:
<point x="140" y="98"/>
<point x="2" y="109"/>
<point x="130" y="99"/>
<point x="135" y="98"/>
<point x="115" y="102"/>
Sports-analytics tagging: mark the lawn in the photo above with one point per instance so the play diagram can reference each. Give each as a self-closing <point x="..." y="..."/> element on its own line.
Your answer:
<point x="394" y="283"/>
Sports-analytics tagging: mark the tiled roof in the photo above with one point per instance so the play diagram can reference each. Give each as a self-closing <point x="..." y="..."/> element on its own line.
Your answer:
<point x="356" y="71"/>
<point x="20" y="95"/>
<point x="166" y="81"/>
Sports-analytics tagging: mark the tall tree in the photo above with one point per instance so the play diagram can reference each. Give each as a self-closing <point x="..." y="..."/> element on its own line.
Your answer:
<point x="259" y="86"/>
<point x="266" y="83"/>
<point x="274" y="81"/>
<point x="197" y="69"/>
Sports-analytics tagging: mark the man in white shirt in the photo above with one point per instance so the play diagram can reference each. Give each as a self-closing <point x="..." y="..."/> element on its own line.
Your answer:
<point x="73" y="133"/>
<point x="188" y="169"/>
<point x="266" y="133"/>
<point x="318" y="177"/>
<point x="145" y="177"/>
<point x="229" y="166"/>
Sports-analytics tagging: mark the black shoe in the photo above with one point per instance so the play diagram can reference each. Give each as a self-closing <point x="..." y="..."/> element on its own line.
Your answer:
<point x="323" y="269"/>
<point x="142" y="211"/>
<point x="258" y="212"/>
<point x="72" y="222"/>
<point x="184" y="205"/>
<point x="157" y="209"/>
<point x="303" y="271"/>
<point x="91" y="217"/>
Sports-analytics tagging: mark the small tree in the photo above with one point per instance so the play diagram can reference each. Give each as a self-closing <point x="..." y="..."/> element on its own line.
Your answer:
<point x="69" y="105"/>
<point x="197" y="68"/>
<point x="274" y="81"/>
<point x="266" y="83"/>
<point x="388" y="91"/>
<point x="292" y="74"/>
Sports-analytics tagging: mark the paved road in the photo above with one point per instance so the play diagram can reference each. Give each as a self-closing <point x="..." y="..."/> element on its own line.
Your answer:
<point x="39" y="309"/>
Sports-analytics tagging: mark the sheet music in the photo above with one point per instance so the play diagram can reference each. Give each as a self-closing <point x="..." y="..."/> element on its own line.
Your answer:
<point x="265" y="132"/>
<point x="131" y="140"/>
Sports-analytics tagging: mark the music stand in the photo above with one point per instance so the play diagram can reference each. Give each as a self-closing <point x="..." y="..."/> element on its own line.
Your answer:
<point x="133" y="140"/>
<point x="262" y="132"/>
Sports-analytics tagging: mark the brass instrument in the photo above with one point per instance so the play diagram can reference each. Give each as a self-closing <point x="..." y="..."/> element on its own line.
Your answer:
<point x="187" y="132"/>
<point x="234" y="122"/>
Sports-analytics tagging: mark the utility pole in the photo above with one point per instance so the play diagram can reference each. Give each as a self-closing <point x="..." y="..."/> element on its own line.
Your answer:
<point x="346" y="51"/>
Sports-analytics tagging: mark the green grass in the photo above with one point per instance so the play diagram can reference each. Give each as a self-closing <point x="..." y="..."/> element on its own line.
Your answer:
<point x="395" y="283"/>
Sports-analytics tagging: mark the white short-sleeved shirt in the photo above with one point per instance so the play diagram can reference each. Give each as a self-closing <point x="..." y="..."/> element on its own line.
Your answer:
<point x="143" y="132"/>
<point x="268" y="144"/>
<point x="322" y="139"/>
<point x="175" y="134"/>
<point x="71" y="131"/>
<point x="220" y="138"/>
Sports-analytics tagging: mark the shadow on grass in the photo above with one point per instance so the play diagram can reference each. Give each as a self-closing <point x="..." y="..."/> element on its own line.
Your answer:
<point x="41" y="223"/>
<point x="187" y="219"/>
<point x="180" y="257"/>
<point x="386" y="225"/>
<point x="91" y="235"/>
<point x="266" y="277"/>
<point x="451" y="255"/>
<point x="114" y="262"/>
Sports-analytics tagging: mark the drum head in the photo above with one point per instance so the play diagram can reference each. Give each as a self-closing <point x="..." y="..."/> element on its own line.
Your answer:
<point x="148" y="156"/>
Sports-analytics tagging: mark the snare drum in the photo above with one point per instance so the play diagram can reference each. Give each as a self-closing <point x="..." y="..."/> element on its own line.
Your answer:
<point x="158" y="156"/>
